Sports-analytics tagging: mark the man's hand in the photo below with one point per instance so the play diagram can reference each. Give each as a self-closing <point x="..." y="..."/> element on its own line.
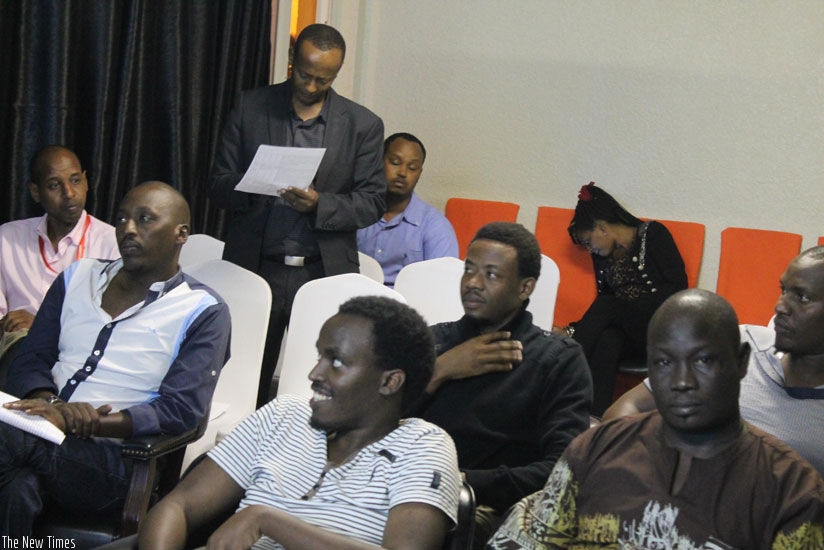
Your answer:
<point x="302" y="201"/>
<point x="39" y="407"/>
<point x="493" y="352"/>
<point x="18" y="319"/>
<point x="82" y="419"/>
<point x="242" y="530"/>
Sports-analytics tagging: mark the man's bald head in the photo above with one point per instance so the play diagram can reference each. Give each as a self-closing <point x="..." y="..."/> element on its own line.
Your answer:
<point x="151" y="226"/>
<point x="696" y="362"/>
<point x="179" y="207"/>
<point x="703" y="308"/>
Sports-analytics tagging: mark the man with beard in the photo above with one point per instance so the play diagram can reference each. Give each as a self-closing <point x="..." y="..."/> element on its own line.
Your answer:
<point x="410" y="230"/>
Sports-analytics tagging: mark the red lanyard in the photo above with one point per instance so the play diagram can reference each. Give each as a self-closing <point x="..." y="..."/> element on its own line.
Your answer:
<point x="81" y="248"/>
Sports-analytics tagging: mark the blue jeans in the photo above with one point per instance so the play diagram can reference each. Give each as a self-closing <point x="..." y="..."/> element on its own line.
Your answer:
<point x="78" y="475"/>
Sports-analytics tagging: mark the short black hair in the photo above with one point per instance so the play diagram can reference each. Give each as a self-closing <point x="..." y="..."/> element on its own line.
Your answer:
<point x="595" y="204"/>
<point x="407" y="137"/>
<point x="36" y="164"/>
<point x="401" y="340"/>
<point x="322" y="37"/>
<point x="519" y="238"/>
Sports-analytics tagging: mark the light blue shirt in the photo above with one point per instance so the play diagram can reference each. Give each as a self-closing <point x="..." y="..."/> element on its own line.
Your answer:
<point x="419" y="233"/>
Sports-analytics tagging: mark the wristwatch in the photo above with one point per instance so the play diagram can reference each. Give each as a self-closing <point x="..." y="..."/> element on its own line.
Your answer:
<point x="54" y="400"/>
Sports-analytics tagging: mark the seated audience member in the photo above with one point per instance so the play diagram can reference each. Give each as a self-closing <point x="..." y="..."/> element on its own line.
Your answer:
<point x="33" y="251"/>
<point x="694" y="475"/>
<point x="122" y="348"/>
<point x="637" y="266"/>
<point x="783" y="391"/>
<point x="410" y="230"/>
<point x="511" y="395"/>
<point x="342" y="470"/>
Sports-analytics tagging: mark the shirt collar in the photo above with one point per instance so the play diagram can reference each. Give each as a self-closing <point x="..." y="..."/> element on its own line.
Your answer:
<point x="75" y="235"/>
<point x="156" y="291"/>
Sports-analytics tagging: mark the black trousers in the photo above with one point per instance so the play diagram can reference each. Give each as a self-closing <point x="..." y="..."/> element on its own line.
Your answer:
<point x="284" y="280"/>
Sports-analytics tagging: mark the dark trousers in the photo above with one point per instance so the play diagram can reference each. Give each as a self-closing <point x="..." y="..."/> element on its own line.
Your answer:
<point x="284" y="281"/>
<point x="607" y="334"/>
<point x="78" y="475"/>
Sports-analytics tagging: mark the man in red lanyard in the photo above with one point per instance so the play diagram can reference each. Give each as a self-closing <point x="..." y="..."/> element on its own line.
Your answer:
<point x="33" y="251"/>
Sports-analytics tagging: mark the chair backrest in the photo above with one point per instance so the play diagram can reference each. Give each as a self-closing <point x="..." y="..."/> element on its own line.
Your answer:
<point x="461" y="537"/>
<point x="469" y="215"/>
<point x="315" y="302"/>
<point x="820" y="241"/>
<point x="689" y="238"/>
<point x="433" y="288"/>
<point x="542" y="301"/>
<point x="200" y="247"/>
<point x="249" y="299"/>
<point x="751" y="264"/>
<point x="370" y="267"/>
<point x="576" y="290"/>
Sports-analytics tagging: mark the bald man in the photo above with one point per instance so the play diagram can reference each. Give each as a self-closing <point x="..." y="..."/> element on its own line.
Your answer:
<point x="79" y="367"/>
<point x="33" y="251"/>
<point x="693" y="475"/>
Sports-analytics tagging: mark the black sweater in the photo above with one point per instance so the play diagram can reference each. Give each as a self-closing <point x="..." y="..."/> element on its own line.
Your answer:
<point x="510" y="427"/>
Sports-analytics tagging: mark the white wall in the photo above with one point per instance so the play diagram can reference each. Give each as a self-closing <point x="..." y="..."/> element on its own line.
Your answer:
<point x="694" y="110"/>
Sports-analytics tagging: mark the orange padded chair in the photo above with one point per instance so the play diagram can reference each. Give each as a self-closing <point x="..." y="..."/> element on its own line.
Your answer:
<point x="820" y="241"/>
<point x="469" y="215"/>
<point x="689" y="238"/>
<point x="577" y="289"/>
<point x="751" y="264"/>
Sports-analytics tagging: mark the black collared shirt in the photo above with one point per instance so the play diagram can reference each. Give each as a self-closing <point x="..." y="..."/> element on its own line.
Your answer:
<point x="287" y="230"/>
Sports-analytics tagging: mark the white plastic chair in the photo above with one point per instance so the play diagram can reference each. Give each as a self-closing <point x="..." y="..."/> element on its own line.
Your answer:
<point x="200" y="247"/>
<point x="370" y="267"/>
<point x="249" y="299"/>
<point x="315" y="302"/>
<point x="433" y="287"/>
<point x="542" y="302"/>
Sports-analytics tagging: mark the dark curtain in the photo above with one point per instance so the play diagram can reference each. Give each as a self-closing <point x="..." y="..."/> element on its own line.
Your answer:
<point x="137" y="88"/>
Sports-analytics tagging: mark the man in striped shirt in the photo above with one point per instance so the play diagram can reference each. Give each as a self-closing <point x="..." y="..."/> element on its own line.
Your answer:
<point x="342" y="470"/>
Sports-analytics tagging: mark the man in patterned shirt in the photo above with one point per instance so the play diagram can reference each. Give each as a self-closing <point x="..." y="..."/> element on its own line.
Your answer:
<point x="693" y="475"/>
<point x="339" y="470"/>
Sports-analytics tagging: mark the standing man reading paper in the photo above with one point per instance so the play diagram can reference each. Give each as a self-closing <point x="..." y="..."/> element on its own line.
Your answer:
<point x="300" y="235"/>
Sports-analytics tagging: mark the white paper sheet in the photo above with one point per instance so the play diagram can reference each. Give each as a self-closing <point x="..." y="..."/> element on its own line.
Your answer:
<point x="36" y="425"/>
<point x="275" y="168"/>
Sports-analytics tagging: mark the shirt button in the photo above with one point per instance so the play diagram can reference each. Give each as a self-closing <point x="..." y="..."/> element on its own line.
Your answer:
<point x="72" y="382"/>
<point x="88" y="369"/>
<point x="109" y="325"/>
<point x="214" y="373"/>
<point x="635" y="258"/>
<point x="97" y="352"/>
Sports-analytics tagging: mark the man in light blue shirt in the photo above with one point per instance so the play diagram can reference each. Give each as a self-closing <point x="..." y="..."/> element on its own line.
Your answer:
<point x="410" y="230"/>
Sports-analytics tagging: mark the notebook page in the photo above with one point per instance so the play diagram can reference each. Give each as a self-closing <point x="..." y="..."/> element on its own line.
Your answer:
<point x="36" y="425"/>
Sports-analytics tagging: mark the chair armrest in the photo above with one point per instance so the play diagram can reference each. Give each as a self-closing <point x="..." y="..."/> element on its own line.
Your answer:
<point x="153" y="446"/>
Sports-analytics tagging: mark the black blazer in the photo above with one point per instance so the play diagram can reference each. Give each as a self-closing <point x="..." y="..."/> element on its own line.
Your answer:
<point x="350" y="180"/>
